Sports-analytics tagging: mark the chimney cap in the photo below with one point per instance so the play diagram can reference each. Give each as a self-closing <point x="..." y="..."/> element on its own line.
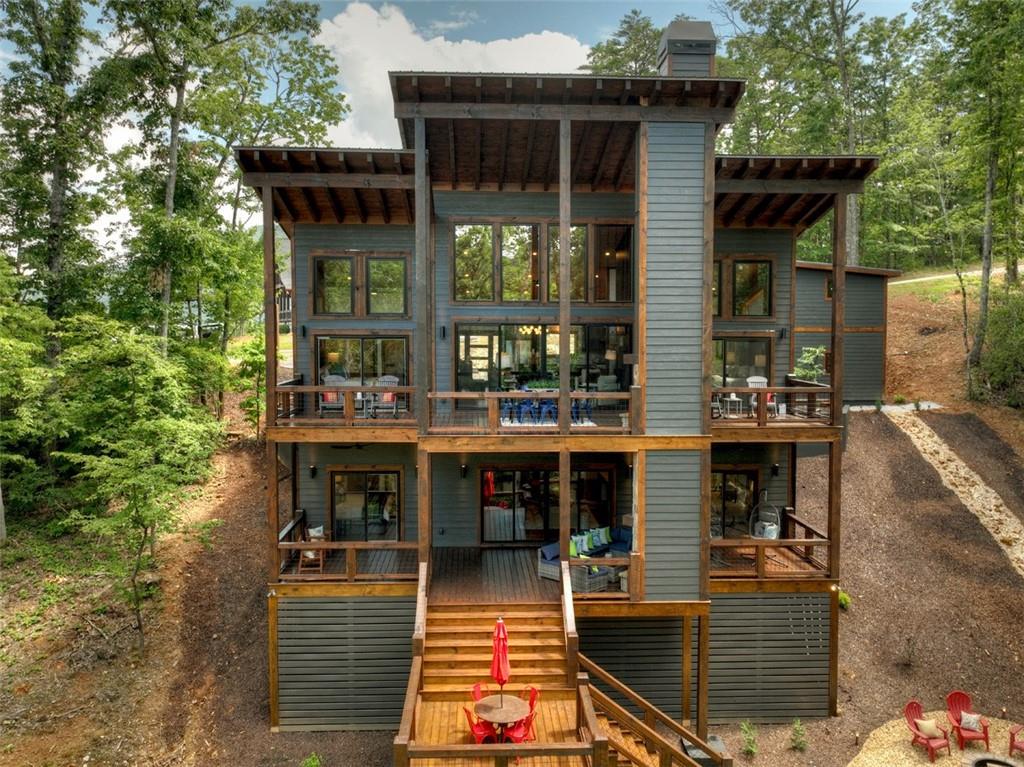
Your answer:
<point x="688" y="30"/>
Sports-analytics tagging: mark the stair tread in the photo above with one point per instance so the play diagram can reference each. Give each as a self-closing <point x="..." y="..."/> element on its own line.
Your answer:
<point x="522" y="656"/>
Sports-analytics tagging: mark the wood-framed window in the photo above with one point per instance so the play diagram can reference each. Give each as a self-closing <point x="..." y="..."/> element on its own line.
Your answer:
<point x="365" y="503"/>
<point x="743" y="287"/>
<point x="361" y="360"/>
<point x="829" y="287"/>
<point x="359" y="284"/>
<point x="740" y="356"/>
<point x="520" y="504"/>
<point x="515" y="262"/>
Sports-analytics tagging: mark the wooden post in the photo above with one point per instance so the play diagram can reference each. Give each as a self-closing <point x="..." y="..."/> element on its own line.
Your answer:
<point x="424" y="501"/>
<point x="564" y="281"/>
<point x="704" y="564"/>
<point x="707" y="338"/>
<point x="295" y="477"/>
<point x="835" y="494"/>
<point x="275" y="717"/>
<point x="687" y="666"/>
<point x="269" y="305"/>
<point x="274" y="560"/>
<point x="493" y="415"/>
<point x="423" y="346"/>
<point x="702" y="678"/>
<point x="640" y="370"/>
<point x="638" y="576"/>
<point x="351" y="564"/>
<point x="838" y="304"/>
<point x="564" y="500"/>
<point x="833" y="652"/>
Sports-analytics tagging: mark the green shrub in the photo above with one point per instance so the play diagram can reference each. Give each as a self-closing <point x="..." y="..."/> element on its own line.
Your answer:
<point x="749" y="734"/>
<point x="917" y="404"/>
<point x="798" y="737"/>
<point x="811" y="365"/>
<point x="878" y="405"/>
<point x="1002" y="364"/>
<point x="844" y="600"/>
<point x="284" y="328"/>
<point x="313" y="760"/>
<point x="899" y="399"/>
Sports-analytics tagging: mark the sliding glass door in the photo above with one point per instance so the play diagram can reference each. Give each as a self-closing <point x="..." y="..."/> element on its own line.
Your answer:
<point x="365" y="505"/>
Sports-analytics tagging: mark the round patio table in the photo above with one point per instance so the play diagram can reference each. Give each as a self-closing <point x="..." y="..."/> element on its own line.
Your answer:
<point x="502" y="710"/>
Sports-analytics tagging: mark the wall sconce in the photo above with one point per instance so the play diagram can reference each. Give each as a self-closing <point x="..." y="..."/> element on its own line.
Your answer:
<point x="312" y="471"/>
<point x="775" y="469"/>
<point x="303" y="329"/>
<point x="782" y="333"/>
<point x="463" y="470"/>
<point x="444" y="332"/>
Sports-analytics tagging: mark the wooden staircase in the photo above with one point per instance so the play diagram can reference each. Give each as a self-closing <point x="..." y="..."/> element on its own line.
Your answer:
<point x="457" y="647"/>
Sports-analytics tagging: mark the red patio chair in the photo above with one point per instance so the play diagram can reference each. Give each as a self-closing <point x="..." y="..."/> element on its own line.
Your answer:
<point x="533" y="697"/>
<point x="911" y="712"/>
<point x="521" y="731"/>
<point x="483" y="732"/>
<point x="479" y="691"/>
<point x="1016" y="744"/>
<point x="958" y="702"/>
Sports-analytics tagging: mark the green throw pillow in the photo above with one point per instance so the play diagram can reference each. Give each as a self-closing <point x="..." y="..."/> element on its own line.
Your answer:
<point x="572" y="547"/>
<point x="606" y="535"/>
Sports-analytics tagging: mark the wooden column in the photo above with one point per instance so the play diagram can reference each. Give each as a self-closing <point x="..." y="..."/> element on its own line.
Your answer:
<point x="640" y="374"/>
<point x="833" y="652"/>
<point x="707" y="337"/>
<point x="703" y="631"/>
<point x="838" y="304"/>
<point x="687" y="667"/>
<point x="637" y="580"/>
<point x="835" y="493"/>
<point x="424" y="502"/>
<point x="295" y="474"/>
<point x="564" y="501"/>
<point x="272" y="661"/>
<point x="422" y="347"/>
<point x="564" y="281"/>
<point x="269" y="304"/>
<point x="274" y="558"/>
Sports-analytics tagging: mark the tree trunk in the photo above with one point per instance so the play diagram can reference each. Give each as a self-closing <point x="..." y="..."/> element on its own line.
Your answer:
<point x="169" y="188"/>
<point x="1012" y="257"/>
<point x="974" y="358"/>
<point x="3" y="518"/>
<point x="840" y="28"/>
<point x="56" y="215"/>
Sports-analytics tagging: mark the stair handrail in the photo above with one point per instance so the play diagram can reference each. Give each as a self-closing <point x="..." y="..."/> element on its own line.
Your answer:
<point x="572" y="639"/>
<point x="652" y="713"/>
<point x="668" y="753"/>
<point x="586" y="718"/>
<point x="419" y="627"/>
<point x="407" y="725"/>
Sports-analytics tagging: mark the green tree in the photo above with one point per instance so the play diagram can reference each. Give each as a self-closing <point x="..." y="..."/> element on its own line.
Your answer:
<point x="631" y="51"/>
<point x="251" y="370"/>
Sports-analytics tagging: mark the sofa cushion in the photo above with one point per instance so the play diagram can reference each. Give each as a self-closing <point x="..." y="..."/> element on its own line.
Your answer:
<point x="549" y="552"/>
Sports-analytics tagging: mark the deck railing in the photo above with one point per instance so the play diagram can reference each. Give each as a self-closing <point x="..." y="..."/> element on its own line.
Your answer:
<point x="377" y="406"/>
<point x="791" y="405"/>
<point x="349" y="561"/>
<point x="653" y="718"/>
<point x="407" y="725"/>
<point x="770" y="558"/>
<point x="572" y="639"/>
<point x="525" y="412"/>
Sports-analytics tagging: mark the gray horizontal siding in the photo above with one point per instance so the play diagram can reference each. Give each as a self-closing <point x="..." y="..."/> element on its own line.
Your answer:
<point x="863" y="363"/>
<point x="769" y="656"/>
<point x="490" y="205"/>
<point x="310" y="237"/>
<point x="771" y="242"/>
<point x="313" y="490"/>
<point x="672" y="567"/>
<point x="675" y="265"/>
<point x="691" y="65"/>
<point x="865" y="299"/>
<point x="343" y="663"/>
<point x="762" y="456"/>
<point x="645" y="654"/>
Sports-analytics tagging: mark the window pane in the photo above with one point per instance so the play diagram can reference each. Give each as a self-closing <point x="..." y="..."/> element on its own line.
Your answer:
<point x="349" y="503"/>
<point x="386" y="280"/>
<point x="533" y="505"/>
<point x="551" y="348"/>
<point x="607" y="346"/>
<point x="382" y="506"/>
<point x="718" y="364"/>
<point x="751" y="291"/>
<point x="332" y="286"/>
<point x="477" y="353"/>
<point x="499" y="493"/>
<point x="577" y="262"/>
<point x="591" y="500"/>
<point x="745" y="357"/>
<point x="520" y="358"/>
<point x="384" y="357"/>
<point x="474" y="262"/>
<point x="716" y="289"/>
<point x="339" y="361"/>
<point x="520" y="262"/>
<point x="614" y="263"/>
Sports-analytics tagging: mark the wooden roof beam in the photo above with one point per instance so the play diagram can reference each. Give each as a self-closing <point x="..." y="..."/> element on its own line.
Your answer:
<point x="620" y="172"/>
<point x="406" y="193"/>
<point x="785" y="208"/>
<point x="451" y="134"/>
<point x="814" y="211"/>
<point x="505" y="127"/>
<point x="439" y="110"/>
<point x="728" y="216"/>
<point x="322" y="180"/>
<point x="762" y="205"/>
<point x="577" y="156"/>
<point x="314" y="209"/>
<point x="789" y="186"/>
<point x="286" y="204"/>
<point x="360" y="206"/>
<point x="627" y="91"/>
<point x="385" y="211"/>
<point x="603" y="161"/>
<point x="477" y="165"/>
<point x="332" y="198"/>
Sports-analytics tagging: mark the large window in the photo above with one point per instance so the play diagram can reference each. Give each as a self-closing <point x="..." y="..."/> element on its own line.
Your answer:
<point x="360" y="361"/>
<point x="333" y="286"/>
<point x="577" y="263"/>
<point x="613" y="270"/>
<point x="737" y="359"/>
<point x="733" y="496"/>
<point x="520" y="262"/>
<point x="365" y="505"/>
<point x="474" y="262"/>
<point x="752" y="288"/>
<point x="506" y="356"/>
<point x="360" y="284"/>
<point x="522" y="504"/>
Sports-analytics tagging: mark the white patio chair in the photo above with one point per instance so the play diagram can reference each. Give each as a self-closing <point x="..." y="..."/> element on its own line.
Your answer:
<point x="385" y="402"/>
<point x="760" y="382"/>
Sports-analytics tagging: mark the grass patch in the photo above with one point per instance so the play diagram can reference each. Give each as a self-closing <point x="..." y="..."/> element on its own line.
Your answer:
<point x="937" y="291"/>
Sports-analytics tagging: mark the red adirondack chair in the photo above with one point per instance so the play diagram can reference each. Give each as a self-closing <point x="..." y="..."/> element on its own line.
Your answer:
<point x="534" y="696"/>
<point x="1016" y="744"/>
<point x="479" y="691"/>
<point x="913" y="711"/>
<point x="957" y="703"/>
<point x="483" y="732"/>
<point x="521" y="730"/>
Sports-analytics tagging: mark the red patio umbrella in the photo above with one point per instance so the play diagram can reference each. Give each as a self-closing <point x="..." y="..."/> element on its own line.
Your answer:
<point x="500" y="670"/>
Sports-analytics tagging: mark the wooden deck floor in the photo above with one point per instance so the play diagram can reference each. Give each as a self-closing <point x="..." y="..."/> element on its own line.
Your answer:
<point x="371" y="562"/>
<point x="443" y="722"/>
<point x="489" y="575"/>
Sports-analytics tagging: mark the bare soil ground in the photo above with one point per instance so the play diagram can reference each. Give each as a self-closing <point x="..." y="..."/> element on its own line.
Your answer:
<point x="930" y="591"/>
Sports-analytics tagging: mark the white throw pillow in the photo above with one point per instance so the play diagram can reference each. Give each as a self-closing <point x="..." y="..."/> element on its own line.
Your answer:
<point x="969" y="721"/>
<point x="316" y="532"/>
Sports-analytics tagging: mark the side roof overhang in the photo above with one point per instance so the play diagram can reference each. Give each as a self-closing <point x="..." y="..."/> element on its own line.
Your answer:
<point x="325" y="185"/>
<point x="500" y="131"/>
<point x="869" y="270"/>
<point x="784" y="191"/>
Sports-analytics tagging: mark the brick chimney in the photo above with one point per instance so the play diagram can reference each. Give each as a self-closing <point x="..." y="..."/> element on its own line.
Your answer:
<point x="687" y="49"/>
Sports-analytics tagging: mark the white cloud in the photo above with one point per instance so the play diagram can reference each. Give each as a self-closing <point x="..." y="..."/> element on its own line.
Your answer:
<point x="367" y="42"/>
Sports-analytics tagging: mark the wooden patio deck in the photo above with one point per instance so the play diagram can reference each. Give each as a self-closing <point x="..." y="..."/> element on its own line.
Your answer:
<point x="489" y="576"/>
<point x="384" y="561"/>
